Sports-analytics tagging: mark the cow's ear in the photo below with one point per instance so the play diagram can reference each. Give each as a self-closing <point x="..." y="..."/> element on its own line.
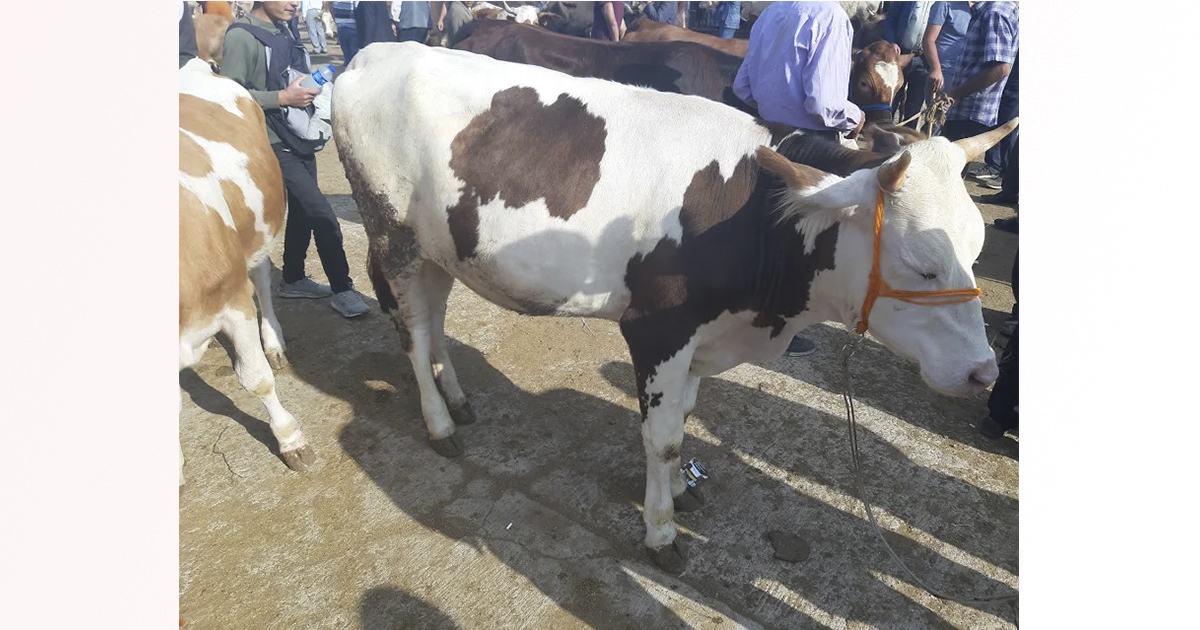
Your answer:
<point x="798" y="177"/>
<point x="892" y="174"/>
<point x="820" y="198"/>
<point x="905" y="60"/>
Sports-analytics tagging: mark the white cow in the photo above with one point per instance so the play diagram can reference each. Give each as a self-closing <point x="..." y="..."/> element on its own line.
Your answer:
<point x="231" y="212"/>
<point x="554" y="195"/>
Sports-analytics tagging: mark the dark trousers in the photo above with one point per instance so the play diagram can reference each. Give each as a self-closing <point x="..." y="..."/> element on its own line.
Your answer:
<point x="347" y="37"/>
<point x="997" y="156"/>
<point x="959" y="129"/>
<point x="1012" y="171"/>
<point x="310" y="216"/>
<point x="1002" y="404"/>
<point x="916" y="77"/>
<point x="412" y="35"/>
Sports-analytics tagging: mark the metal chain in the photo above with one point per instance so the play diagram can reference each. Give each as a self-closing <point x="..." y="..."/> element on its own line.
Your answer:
<point x="855" y="458"/>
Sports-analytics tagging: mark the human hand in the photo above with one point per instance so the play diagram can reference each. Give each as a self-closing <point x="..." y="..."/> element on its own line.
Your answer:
<point x="857" y="129"/>
<point x="441" y="25"/>
<point x="936" y="80"/>
<point x="295" y="96"/>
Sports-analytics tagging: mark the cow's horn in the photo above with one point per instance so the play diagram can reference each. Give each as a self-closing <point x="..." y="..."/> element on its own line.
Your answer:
<point x="892" y="174"/>
<point x="975" y="146"/>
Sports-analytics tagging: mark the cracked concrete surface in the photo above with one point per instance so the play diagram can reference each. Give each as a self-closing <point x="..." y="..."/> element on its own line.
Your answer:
<point x="383" y="533"/>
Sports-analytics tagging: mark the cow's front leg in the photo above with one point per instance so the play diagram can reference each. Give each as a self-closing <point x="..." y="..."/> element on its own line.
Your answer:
<point x="663" y="393"/>
<point x="684" y="497"/>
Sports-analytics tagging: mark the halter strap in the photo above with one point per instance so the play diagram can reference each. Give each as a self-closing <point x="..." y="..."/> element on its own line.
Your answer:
<point x="877" y="287"/>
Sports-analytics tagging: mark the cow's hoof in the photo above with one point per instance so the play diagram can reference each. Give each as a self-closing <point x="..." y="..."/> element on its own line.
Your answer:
<point x="299" y="459"/>
<point x="690" y="501"/>
<point x="463" y="415"/>
<point x="276" y="358"/>
<point x="451" y="446"/>
<point x="671" y="558"/>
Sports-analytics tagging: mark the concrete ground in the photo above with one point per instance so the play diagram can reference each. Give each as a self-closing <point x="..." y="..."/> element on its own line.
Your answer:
<point x="538" y="524"/>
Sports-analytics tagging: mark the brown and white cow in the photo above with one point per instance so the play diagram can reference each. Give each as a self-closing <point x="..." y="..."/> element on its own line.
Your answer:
<point x="210" y="37"/>
<point x="554" y="195"/>
<point x="231" y="211"/>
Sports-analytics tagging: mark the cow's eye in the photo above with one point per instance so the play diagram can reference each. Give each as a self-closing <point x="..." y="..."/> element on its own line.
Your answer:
<point x="929" y="276"/>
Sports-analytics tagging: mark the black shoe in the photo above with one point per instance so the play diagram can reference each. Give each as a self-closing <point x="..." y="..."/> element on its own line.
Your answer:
<point x="990" y="428"/>
<point x="999" y="199"/>
<point x="800" y="347"/>
<point x="1007" y="225"/>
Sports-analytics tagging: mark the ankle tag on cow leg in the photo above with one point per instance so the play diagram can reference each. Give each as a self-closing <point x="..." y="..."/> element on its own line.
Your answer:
<point x="693" y="472"/>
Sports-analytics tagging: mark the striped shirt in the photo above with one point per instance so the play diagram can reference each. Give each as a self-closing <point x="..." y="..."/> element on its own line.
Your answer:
<point x="994" y="35"/>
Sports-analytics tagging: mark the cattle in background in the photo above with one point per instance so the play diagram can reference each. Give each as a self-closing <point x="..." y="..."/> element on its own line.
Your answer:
<point x="876" y="77"/>
<point x="567" y="18"/>
<point x="644" y="29"/>
<point x="210" y="38"/>
<point x="680" y="67"/>
<point x="554" y="195"/>
<point x="231" y="212"/>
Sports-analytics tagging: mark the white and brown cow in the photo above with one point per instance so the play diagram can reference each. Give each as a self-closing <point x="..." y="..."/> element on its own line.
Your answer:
<point x="231" y="211"/>
<point x="554" y="195"/>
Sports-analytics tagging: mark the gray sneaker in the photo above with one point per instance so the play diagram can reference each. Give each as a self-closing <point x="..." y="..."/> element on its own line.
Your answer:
<point x="304" y="288"/>
<point x="349" y="303"/>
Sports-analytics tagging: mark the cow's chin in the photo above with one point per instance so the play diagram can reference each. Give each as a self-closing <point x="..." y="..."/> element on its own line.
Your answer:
<point x="964" y="388"/>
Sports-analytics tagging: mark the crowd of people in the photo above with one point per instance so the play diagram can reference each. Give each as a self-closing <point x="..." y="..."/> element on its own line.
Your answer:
<point x="796" y="72"/>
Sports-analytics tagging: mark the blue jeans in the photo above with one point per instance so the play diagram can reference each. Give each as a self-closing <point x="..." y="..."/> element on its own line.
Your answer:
<point x="316" y="30"/>
<point x="347" y="39"/>
<point x="997" y="156"/>
<point x="726" y="32"/>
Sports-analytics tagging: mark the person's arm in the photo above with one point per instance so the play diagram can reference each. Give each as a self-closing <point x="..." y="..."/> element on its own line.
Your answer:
<point x="823" y="81"/>
<point x="441" y="16"/>
<point x="610" y="17"/>
<point x="239" y="58"/>
<point x="681" y="9"/>
<point x="653" y="11"/>
<point x="993" y="72"/>
<point x="936" y="80"/>
<point x="999" y="55"/>
<point x="741" y="84"/>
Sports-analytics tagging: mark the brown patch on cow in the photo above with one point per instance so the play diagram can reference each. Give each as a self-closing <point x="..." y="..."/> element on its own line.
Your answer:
<point x="243" y="217"/>
<point x="644" y="29"/>
<point x="670" y="453"/>
<point x="212" y="268"/>
<point x="733" y="256"/>
<point x="193" y="159"/>
<point x="520" y="150"/>
<point x="247" y="134"/>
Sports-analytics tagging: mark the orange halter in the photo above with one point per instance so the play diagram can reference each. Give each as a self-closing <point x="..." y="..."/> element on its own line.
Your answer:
<point x="877" y="287"/>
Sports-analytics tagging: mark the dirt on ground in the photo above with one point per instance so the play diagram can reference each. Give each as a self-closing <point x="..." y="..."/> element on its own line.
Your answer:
<point x="539" y="523"/>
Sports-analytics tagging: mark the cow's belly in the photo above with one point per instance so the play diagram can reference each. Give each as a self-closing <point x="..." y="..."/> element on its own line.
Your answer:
<point x="539" y="265"/>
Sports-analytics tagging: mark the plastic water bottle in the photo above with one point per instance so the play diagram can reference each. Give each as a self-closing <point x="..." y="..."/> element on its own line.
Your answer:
<point x="318" y="78"/>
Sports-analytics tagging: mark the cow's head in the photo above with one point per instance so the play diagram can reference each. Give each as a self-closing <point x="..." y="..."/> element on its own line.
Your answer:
<point x="931" y="235"/>
<point x="876" y="77"/>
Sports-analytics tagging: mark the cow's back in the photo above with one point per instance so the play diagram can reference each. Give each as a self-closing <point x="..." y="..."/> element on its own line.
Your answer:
<point x="514" y="173"/>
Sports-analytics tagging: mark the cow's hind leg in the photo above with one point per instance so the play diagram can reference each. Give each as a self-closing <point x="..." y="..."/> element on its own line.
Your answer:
<point x="437" y="283"/>
<point x="240" y="323"/>
<point x="272" y="332"/>
<point x="404" y="296"/>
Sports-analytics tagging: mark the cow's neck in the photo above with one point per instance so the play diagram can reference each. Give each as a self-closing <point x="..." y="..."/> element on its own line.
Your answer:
<point x="784" y="287"/>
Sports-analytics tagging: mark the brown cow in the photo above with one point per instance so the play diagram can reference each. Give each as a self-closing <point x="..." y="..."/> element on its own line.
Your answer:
<point x="210" y="37"/>
<point x="231" y="212"/>
<point x="876" y="77"/>
<point x="646" y="30"/>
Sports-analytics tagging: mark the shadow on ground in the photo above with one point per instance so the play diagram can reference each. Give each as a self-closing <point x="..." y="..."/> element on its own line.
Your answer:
<point x="566" y="470"/>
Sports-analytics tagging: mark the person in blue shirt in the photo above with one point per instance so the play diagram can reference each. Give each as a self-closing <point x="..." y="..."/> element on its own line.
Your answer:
<point x="945" y="36"/>
<point x="665" y="12"/>
<point x="727" y="17"/>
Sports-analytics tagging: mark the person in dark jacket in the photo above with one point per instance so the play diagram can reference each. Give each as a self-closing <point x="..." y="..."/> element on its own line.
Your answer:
<point x="187" y="35"/>
<point x="374" y="22"/>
